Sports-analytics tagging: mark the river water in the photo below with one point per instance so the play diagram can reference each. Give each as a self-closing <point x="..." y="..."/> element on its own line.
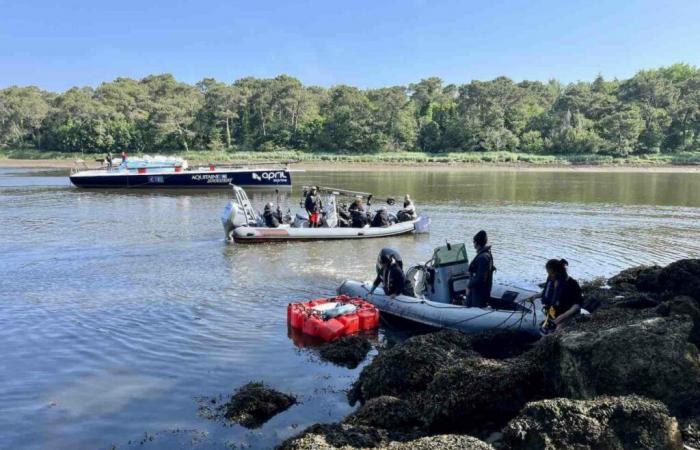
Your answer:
<point x="120" y="309"/>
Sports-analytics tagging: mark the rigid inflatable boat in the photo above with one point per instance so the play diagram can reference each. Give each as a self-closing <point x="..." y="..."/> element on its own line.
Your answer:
<point x="442" y="281"/>
<point x="243" y="224"/>
<point x="332" y="318"/>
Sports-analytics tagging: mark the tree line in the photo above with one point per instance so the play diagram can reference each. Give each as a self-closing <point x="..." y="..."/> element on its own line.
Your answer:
<point x="654" y="111"/>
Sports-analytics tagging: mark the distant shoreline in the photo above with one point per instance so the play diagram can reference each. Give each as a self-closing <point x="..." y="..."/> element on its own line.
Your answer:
<point x="343" y="166"/>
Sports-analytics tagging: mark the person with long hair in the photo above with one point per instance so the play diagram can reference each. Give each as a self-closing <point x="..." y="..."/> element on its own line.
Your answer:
<point x="562" y="294"/>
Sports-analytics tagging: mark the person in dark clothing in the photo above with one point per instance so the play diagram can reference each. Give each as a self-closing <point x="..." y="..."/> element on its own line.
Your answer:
<point x="271" y="217"/>
<point x="381" y="219"/>
<point x="108" y="159"/>
<point x="480" y="272"/>
<point x="358" y="213"/>
<point x="561" y="296"/>
<point x="389" y="273"/>
<point x="313" y="206"/>
<point x="344" y="217"/>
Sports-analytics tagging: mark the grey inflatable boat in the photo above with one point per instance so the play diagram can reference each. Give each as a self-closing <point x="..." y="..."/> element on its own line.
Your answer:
<point x="431" y="302"/>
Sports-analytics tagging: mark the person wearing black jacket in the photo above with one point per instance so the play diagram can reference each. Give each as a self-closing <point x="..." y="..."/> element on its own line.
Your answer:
<point x="313" y="206"/>
<point x="272" y="218"/>
<point x="480" y="272"/>
<point x="389" y="273"/>
<point x="562" y="294"/>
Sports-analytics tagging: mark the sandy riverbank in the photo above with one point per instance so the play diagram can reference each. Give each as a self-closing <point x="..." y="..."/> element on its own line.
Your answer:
<point x="364" y="167"/>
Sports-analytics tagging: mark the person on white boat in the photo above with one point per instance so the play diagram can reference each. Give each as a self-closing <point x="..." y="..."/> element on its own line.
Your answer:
<point x="480" y="272"/>
<point x="389" y="273"/>
<point x="271" y="217"/>
<point x="313" y="206"/>
<point x="358" y="213"/>
<point x="381" y="218"/>
<point x="561" y="297"/>
<point x="409" y="210"/>
<point x="108" y="159"/>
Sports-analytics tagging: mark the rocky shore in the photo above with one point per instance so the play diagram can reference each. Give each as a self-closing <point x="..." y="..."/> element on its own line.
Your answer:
<point x="625" y="377"/>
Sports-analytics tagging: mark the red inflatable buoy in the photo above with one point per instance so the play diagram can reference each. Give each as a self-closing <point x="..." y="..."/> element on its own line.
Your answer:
<point x="331" y="318"/>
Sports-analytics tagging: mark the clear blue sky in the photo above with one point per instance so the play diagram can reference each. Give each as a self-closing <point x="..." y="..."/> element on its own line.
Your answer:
<point x="59" y="44"/>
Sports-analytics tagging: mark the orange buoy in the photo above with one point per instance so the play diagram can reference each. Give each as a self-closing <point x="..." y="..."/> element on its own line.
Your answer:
<point x="331" y="318"/>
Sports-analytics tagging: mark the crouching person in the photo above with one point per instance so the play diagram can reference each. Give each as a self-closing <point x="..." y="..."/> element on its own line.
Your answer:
<point x="389" y="273"/>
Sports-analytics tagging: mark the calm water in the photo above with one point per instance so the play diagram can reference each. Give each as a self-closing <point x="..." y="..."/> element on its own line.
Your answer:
<point x="119" y="309"/>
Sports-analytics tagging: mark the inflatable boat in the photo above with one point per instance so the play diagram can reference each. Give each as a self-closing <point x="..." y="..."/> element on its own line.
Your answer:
<point x="439" y="284"/>
<point x="243" y="224"/>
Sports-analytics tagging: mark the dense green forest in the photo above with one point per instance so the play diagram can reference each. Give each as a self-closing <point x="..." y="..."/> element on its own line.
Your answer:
<point x="656" y="111"/>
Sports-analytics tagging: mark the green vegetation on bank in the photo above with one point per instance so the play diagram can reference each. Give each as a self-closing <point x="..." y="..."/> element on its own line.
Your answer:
<point x="653" y="117"/>
<point x="394" y="157"/>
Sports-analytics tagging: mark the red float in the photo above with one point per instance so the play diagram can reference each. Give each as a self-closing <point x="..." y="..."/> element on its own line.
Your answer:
<point x="331" y="318"/>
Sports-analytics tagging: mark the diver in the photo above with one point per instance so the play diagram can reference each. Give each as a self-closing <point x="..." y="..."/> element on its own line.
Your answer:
<point x="272" y="218"/>
<point x="389" y="273"/>
<point x="358" y="214"/>
<point x="561" y="296"/>
<point x="480" y="272"/>
<point x="381" y="218"/>
<point x="344" y="217"/>
<point x="409" y="210"/>
<point x="313" y="206"/>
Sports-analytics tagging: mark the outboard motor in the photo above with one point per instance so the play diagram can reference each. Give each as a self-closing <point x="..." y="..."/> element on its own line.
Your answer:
<point x="231" y="218"/>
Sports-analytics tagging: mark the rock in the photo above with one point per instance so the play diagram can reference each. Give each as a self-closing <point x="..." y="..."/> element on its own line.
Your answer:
<point x="652" y="357"/>
<point x="474" y="394"/>
<point x="442" y="442"/>
<point x="337" y="436"/>
<point x="690" y="429"/>
<point x="348" y="351"/>
<point x="642" y="278"/>
<point x="254" y="404"/>
<point x="385" y="412"/>
<point x="681" y="278"/>
<point x="502" y="344"/>
<point x="409" y="367"/>
<point x="603" y="423"/>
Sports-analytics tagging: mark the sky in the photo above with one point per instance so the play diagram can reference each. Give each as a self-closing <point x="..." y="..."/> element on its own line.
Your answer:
<point x="59" y="44"/>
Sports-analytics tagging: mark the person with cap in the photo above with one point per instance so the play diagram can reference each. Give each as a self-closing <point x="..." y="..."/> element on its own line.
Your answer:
<point x="271" y="217"/>
<point x="389" y="273"/>
<point x="481" y="271"/>
<point x="409" y="210"/>
<point x="313" y="206"/>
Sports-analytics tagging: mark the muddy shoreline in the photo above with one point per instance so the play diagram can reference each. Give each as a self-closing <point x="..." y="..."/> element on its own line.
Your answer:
<point x="626" y="377"/>
<point x="401" y="167"/>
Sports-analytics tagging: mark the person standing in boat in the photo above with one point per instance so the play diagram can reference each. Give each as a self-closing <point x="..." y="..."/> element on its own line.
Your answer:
<point x="409" y="210"/>
<point x="480" y="273"/>
<point x="313" y="206"/>
<point x="389" y="273"/>
<point x="272" y="218"/>
<point x="108" y="159"/>
<point x="125" y="155"/>
<point x="561" y="297"/>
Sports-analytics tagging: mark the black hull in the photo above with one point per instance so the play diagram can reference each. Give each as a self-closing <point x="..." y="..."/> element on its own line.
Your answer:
<point x="187" y="180"/>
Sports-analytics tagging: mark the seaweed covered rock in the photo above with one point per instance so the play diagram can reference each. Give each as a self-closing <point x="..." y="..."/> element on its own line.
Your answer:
<point x="642" y="278"/>
<point x="338" y="436"/>
<point x="478" y="393"/>
<point x="254" y="404"/>
<point x="652" y="357"/>
<point x="502" y="343"/>
<point x="348" y="351"/>
<point x="409" y="367"/>
<point x="386" y="412"/>
<point x="690" y="429"/>
<point x="603" y="423"/>
<point x="681" y="278"/>
<point x="442" y="442"/>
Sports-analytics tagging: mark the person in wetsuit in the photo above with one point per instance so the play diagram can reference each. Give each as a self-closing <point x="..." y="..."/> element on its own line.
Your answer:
<point x="313" y="206"/>
<point x="381" y="218"/>
<point x="389" y="273"/>
<point x="272" y="218"/>
<point x="480" y="272"/>
<point x="358" y="214"/>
